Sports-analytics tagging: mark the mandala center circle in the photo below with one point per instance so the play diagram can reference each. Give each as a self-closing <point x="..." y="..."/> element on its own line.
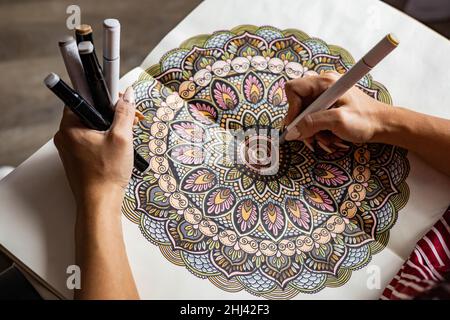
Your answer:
<point x="260" y="154"/>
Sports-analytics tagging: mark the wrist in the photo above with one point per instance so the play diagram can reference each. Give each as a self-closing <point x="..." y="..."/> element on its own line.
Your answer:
<point x="386" y="123"/>
<point x="99" y="200"/>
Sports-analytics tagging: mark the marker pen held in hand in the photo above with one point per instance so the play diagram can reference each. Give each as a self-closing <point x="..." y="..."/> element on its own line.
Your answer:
<point x="88" y="114"/>
<point x="75" y="102"/>
<point x="95" y="80"/>
<point x="74" y="67"/>
<point x="345" y="83"/>
<point x="111" y="57"/>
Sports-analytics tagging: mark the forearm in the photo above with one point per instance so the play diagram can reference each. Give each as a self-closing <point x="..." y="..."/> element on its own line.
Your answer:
<point x="100" y="249"/>
<point x="427" y="136"/>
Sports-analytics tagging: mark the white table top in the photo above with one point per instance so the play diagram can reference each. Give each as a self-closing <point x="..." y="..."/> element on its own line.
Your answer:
<point x="37" y="208"/>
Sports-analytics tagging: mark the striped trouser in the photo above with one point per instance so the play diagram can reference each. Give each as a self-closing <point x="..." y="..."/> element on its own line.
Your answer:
<point x="426" y="273"/>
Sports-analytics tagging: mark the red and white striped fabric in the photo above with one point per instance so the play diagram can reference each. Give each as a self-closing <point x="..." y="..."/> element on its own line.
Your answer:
<point x="427" y="268"/>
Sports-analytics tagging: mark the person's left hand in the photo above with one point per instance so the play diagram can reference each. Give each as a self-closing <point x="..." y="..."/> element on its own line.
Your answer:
<point x="98" y="162"/>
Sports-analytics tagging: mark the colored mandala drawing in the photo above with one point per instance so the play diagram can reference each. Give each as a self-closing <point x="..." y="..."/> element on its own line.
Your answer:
<point x="300" y="229"/>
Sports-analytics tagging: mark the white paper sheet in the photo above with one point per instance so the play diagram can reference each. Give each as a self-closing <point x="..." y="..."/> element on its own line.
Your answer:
<point x="37" y="209"/>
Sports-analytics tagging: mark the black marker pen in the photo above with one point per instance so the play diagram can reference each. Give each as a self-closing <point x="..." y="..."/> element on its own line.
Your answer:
<point x="96" y="81"/>
<point x="84" y="33"/>
<point x="90" y="117"/>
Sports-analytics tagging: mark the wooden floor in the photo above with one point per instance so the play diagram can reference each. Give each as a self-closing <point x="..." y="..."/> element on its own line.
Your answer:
<point x="30" y="29"/>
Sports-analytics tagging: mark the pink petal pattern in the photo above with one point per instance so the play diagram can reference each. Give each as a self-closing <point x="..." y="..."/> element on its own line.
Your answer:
<point x="203" y="112"/>
<point x="277" y="95"/>
<point x="319" y="199"/>
<point x="330" y="175"/>
<point x="189" y="131"/>
<point x="199" y="180"/>
<point x="253" y="88"/>
<point x="188" y="154"/>
<point x="224" y="95"/>
<point x="219" y="201"/>
<point x="273" y="220"/>
<point x="299" y="214"/>
<point x="245" y="216"/>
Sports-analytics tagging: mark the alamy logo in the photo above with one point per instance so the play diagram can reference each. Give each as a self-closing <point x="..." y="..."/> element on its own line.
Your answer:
<point x="374" y="279"/>
<point x="74" y="279"/>
<point x="74" y="19"/>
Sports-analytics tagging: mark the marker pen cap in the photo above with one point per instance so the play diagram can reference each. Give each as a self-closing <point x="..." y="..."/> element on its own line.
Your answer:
<point x="71" y="57"/>
<point x="381" y="50"/>
<point x="62" y="90"/>
<point x="111" y="39"/>
<point x="84" y="33"/>
<point x="85" y="47"/>
<point x="65" y="41"/>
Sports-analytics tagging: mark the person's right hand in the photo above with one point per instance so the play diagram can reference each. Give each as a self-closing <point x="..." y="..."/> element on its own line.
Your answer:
<point x="356" y="116"/>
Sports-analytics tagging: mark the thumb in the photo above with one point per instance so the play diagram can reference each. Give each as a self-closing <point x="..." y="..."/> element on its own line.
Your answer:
<point x="317" y="121"/>
<point x="124" y="113"/>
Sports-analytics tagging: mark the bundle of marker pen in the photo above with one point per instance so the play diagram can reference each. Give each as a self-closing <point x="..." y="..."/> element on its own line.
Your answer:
<point x="96" y="89"/>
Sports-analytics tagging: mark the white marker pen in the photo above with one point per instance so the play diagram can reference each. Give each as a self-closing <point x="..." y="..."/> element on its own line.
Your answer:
<point x="341" y="86"/>
<point x="74" y="67"/>
<point x="111" y="57"/>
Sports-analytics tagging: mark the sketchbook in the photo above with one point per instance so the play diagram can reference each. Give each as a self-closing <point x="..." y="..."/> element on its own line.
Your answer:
<point x="207" y="222"/>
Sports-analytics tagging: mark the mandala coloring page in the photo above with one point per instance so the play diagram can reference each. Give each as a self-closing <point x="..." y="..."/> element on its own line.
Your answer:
<point x="297" y="229"/>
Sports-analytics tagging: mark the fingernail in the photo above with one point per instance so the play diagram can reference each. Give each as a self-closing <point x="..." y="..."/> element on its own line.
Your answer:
<point x="341" y="145"/>
<point x="128" y="96"/>
<point x="324" y="147"/>
<point x="139" y="115"/>
<point x="283" y="124"/>
<point x="293" y="134"/>
<point x="308" y="145"/>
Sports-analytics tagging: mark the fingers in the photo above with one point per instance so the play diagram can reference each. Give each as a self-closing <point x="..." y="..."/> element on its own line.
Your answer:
<point x="301" y="92"/>
<point x="294" y="101"/>
<point x="69" y="120"/>
<point x="124" y="114"/>
<point x="309" y="143"/>
<point x="316" y="122"/>
<point x="325" y="140"/>
<point x="69" y="127"/>
<point x="317" y="126"/>
<point x="139" y="116"/>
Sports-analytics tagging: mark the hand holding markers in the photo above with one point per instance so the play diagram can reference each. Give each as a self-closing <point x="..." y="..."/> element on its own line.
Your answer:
<point x="87" y="154"/>
<point x="94" y="102"/>
<point x="95" y="144"/>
